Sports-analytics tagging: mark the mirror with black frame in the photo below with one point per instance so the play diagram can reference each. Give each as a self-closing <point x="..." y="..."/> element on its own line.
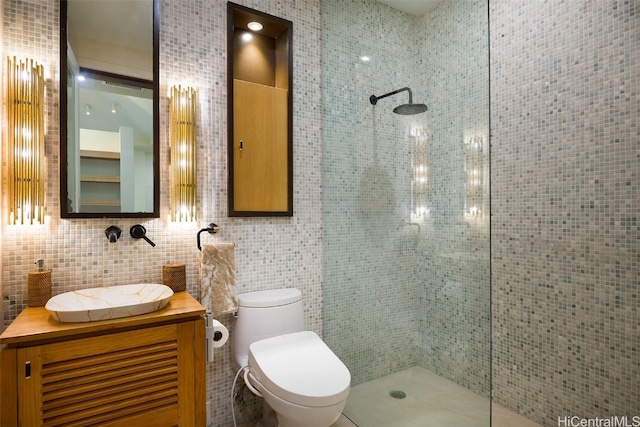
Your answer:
<point x="109" y="138"/>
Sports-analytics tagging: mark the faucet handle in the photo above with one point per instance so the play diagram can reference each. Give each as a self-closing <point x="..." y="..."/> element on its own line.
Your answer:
<point x="139" y="232"/>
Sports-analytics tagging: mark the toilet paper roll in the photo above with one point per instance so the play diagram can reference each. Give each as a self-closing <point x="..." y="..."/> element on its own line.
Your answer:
<point x="220" y="334"/>
<point x="216" y="335"/>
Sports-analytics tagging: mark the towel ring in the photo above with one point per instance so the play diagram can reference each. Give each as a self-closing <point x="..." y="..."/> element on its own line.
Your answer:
<point x="211" y="229"/>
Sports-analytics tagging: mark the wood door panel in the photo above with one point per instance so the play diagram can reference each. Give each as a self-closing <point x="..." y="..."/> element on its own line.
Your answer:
<point x="261" y="165"/>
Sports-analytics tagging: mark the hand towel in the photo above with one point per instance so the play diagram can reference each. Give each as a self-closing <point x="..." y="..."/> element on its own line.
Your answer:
<point x="218" y="290"/>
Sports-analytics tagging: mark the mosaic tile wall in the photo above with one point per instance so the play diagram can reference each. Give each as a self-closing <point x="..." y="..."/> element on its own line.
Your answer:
<point x="401" y="291"/>
<point x="271" y="252"/>
<point x="369" y="247"/>
<point x="565" y="202"/>
<point x="453" y="270"/>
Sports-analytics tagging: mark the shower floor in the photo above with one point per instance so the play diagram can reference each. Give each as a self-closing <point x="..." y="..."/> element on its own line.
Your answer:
<point x="430" y="400"/>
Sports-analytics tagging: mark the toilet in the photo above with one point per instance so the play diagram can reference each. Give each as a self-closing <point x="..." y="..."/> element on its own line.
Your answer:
<point x="303" y="383"/>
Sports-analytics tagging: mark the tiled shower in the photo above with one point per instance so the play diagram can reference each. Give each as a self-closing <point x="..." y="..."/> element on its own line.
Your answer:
<point x="406" y="251"/>
<point x="564" y="193"/>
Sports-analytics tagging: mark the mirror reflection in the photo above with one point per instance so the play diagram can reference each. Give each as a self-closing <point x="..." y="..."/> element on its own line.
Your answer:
<point x="110" y="159"/>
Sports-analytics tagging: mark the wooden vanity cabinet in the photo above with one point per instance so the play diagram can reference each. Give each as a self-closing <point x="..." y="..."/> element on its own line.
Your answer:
<point x="141" y="370"/>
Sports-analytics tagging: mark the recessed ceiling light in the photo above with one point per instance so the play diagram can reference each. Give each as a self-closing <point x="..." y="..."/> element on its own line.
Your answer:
<point x="254" y="26"/>
<point x="365" y="58"/>
<point x="246" y="37"/>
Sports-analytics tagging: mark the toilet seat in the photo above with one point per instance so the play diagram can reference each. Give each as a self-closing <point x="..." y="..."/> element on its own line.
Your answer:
<point x="300" y="368"/>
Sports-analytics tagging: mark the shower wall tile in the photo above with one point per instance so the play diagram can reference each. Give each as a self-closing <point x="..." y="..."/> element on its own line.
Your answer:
<point x="400" y="294"/>
<point x="452" y="75"/>
<point x="369" y="248"/>
<point x="270" y="252"/>
<point x="565" y="203"/>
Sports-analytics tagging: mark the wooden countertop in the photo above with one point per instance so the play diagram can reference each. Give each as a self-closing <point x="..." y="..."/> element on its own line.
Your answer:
<point x="35" y="325"/>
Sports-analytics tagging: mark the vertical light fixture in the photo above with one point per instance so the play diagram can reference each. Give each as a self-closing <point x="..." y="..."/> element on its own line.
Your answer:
<point x="183" y="154"/>
<point x="25" y="137"/>
<point x="474" y="169"/>
<point x="420" y="167"/>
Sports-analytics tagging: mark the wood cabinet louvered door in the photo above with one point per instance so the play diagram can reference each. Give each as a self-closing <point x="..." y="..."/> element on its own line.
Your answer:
<point x="140" y="377"/>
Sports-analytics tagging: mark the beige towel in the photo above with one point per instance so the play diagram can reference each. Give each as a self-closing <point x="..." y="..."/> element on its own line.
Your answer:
<point x="218" y="291"/>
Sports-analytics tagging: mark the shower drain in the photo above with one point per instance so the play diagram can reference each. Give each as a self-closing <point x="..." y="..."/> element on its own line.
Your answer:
<point x="397" y="394"/>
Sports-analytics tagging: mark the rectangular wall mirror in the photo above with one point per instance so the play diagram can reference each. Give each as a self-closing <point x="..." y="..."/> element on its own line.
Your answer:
<point x="109" y="139"/>
<point x="260" y="144"/>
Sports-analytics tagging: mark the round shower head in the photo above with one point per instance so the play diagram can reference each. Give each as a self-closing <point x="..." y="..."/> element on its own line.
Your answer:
<point x="406" y="109"/>
<point x="409" y="109"/>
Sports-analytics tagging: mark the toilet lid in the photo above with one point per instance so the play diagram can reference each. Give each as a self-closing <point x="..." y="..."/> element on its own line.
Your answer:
<point x="270" y="298"/>
<point x="300" y="368"/>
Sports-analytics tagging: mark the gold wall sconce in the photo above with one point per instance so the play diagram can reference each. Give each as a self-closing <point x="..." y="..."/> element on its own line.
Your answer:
<point x="183" y="154"/>
<point x="25" y="141"/>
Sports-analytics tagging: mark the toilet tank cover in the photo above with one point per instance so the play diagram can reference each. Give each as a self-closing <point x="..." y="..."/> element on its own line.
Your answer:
<point x="300" y="368"/>
<point x="270" y="298"/>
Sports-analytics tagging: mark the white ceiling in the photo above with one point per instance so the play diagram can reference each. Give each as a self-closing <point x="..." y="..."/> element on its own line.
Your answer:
<point x="124" y="22"/>
<point x="413" y="7"/>
<point x="117" y="24"/>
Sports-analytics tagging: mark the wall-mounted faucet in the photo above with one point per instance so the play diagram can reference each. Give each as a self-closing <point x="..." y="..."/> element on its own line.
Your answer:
<point x="113" y="233"/>
<point x="139" y="232"/>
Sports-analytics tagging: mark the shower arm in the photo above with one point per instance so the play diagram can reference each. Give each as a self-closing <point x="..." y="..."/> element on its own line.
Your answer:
<point x="374" y="99"/>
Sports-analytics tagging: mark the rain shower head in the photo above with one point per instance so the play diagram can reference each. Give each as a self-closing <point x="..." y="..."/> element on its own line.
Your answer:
<point x="408" y="109"/>
<point x="404" y="109"/>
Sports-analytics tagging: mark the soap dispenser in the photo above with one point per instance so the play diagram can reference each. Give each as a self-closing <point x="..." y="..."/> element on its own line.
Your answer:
<point x="39" y="285"/>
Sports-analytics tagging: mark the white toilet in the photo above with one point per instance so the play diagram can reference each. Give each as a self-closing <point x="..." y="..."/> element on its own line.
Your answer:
<point x="302" y="382"/>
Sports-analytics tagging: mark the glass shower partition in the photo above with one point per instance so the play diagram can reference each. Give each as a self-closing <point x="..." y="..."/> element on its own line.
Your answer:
<point x="406" y="211"/>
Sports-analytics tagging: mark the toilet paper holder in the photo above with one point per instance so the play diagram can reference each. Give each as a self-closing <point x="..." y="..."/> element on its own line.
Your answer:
<point x="213" y="335"/>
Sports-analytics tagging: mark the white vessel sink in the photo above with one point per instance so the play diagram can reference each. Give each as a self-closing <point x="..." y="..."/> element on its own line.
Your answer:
<point x="90" y="305"/>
